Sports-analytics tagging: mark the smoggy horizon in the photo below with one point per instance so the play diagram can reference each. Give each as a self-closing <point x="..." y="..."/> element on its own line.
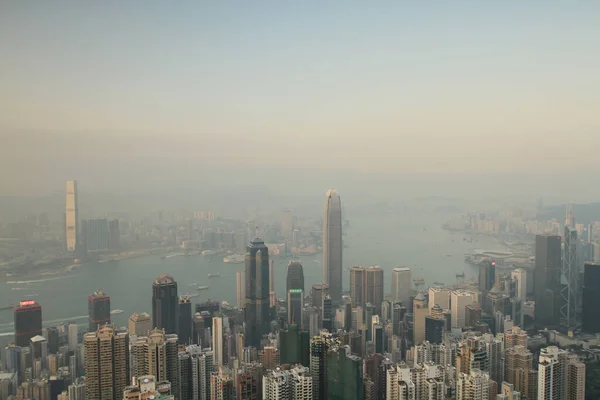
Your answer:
<point x="403" y="100"/>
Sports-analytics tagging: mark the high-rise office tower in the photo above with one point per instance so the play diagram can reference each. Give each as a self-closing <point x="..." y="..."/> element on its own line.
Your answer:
<point x="591" y="289"/>
<point x="190" y="229"/>
<point x="217" y="340"/>
<point x="344" y="374"/>
<point x="472" y="314"/>
<point x="435" y="328"/>
<point x="98" y="310"/>
<point x="402" y="285"/>
<point x="473" y="386"/>
<point x="95" y="235"/>
<point x="73" y="337"/>
<point x="114" y="234"/>
<point x="257" y="293"/>
<point x="318" y="292"/>
<point x="374" y="287"/>
<point x="319" y="347"/>
<point x="140" y="324"/>
<point x="439" y="296"/>
<point x="357" y="286"/>
<point x="53" y="339"/>
<point x="420" y="311"/>
<point x="294" y="344"/>
<point x="106" y="363"/>
<point x="520" y="275"/>
<point x="569" y="290"/>
<point x="487" y="276"/>
<point x="295" y="301"/>
<point x="71" y="216"/>
<point x="240" y="287"/>
<point x="28" y="322"/>
<point x="165" y="304"/>
<point x="332" y="245"/>
<point x="459" y="299"/>
<point x="184" y="328"/>
<point x="546" y="290"/>
<point x="295" y="276"/>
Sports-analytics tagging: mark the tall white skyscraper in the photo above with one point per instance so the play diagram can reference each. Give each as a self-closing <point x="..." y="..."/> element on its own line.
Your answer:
<point x="73" y="337"/>
<point x="560" y="375"/>
<point x="521" y="276"/>
<point x="402" y="285"/>
<point x="332" y="245"/>
<point x="217" y="340"/>
<point x="439" y="296"/>
<point x="240" y="288"/>
<point x="71" y="216"/>
<point x="459" y="299"/>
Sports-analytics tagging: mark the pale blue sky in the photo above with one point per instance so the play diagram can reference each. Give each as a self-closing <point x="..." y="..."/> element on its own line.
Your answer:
<point x="371" y="86"/>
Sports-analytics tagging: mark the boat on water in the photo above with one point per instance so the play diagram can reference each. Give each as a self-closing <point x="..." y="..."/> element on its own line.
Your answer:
<point x="209" y="252"/>
<point x="235" y="259"/>
<point x="113" y="312"/>
<point x="214" y="275"/>
<point x="190" y="295"/>
<point x="202" y="287"/>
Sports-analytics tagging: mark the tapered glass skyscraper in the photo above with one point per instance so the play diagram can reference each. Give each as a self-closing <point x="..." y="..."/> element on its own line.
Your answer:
<point x="256" y="307"/>
<point x="332" y="245"/>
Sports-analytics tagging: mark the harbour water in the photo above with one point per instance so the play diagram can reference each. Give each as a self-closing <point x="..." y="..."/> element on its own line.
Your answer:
<point x="412" y="239"/>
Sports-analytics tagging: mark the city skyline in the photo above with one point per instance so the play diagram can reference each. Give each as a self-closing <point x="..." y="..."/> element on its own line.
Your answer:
<point x="163" y="232"/>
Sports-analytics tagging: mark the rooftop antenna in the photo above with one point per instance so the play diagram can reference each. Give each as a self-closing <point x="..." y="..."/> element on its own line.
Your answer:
<point x="256" y="231"/>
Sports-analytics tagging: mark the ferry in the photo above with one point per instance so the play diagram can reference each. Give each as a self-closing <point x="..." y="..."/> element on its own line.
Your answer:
<point x="214" y="275"/>
<point x="208" y="252"/>
<point x="113" y="312"/>
<point x="235" y="259"/>
<point x="202" y="287"/>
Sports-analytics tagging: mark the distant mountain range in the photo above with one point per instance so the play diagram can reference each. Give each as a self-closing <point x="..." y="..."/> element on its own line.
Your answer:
<point x="583" y="213"/>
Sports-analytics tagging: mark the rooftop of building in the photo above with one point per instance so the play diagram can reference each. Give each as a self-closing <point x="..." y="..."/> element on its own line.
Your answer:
<point x="164" y="279"/>
<point x="37" y="339"/>
<point x="400" y="269"/>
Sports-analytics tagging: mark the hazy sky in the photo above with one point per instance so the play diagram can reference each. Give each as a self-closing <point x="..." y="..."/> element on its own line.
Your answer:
<point x="404" y="87"/>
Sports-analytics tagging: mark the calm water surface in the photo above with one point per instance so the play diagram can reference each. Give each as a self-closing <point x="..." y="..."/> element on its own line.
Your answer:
<point x="388" y="240"/>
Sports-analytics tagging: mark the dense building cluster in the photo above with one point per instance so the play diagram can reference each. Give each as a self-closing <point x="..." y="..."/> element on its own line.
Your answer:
<point x="466" y="342"/>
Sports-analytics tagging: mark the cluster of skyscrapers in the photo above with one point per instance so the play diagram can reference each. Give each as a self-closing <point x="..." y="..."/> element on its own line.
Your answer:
<point x="88" y="235"/>
<point x="462" y="342"/>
